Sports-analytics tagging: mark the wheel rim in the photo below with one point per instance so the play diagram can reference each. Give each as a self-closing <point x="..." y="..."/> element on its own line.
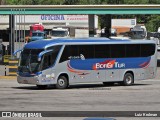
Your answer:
<point x="61" y="82"/>
<point x="128" y="79"/>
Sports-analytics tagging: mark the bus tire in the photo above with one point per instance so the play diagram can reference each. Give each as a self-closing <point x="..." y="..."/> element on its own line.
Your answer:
<point x="42" y="86"/>
<point x="128" y="79"/>
<point x="62" y="83"/>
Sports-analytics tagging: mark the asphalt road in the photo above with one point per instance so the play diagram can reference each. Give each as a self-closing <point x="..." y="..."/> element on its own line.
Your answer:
<point x="143" y="96"/>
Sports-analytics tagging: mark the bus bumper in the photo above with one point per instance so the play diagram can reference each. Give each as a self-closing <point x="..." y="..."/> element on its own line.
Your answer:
<point x="28" y="80"/>
<point x="36" y="80"/>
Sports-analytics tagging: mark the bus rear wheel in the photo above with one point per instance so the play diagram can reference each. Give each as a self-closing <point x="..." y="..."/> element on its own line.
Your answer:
<point x="128" y="79"/>
<point x="62" y="83"/>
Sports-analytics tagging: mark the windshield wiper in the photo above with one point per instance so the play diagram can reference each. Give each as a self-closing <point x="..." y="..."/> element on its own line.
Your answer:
<point x="29" y="64"/>
<point x="26" y="67"/>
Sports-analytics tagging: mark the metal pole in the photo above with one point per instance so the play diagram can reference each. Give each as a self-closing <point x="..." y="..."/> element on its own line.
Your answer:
<point x="24" y="28"/>
<point x="11" y="33"/>
<point x="16" y="30"/>
<point x="91" y="20"/>
<point x="19" y="30"/>
<point x="13" y="30"/>
<point x="21" y="27"/>
<point x="5" y="70"/>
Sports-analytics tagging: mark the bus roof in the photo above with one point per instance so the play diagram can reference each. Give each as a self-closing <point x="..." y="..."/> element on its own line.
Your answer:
<point x="42" y="44"/>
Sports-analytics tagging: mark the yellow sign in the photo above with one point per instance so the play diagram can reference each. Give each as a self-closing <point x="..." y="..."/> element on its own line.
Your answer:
<point x="6" y="58"/>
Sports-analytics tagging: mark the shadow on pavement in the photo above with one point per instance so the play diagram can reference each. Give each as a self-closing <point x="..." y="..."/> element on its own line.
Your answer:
<point x="101" y="86"/>
<point x="33" y="88"/>
<point x="78" y="86"/>
<point x="158" y="63"/>
<point x="140" y="84"/>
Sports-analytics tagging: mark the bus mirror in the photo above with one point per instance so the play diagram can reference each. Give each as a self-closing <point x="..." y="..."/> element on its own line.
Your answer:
<point x="39" y="59"/>
<point x="17" y="52"/>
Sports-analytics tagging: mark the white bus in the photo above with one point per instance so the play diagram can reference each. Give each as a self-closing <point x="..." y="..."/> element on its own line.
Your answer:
<point x="59" y="32"/>
<point x="138" y="32"/>
<point x="63" y="61"/>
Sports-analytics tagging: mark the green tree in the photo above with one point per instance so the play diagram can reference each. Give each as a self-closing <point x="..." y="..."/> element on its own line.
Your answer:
<point x="136" y="1"/>
<point x="51" y="2"/>
<point x="153" y="23"/>
<point x="71" y="2"/>
<point x="153" y="1"/>
<point x="34" y="2"/>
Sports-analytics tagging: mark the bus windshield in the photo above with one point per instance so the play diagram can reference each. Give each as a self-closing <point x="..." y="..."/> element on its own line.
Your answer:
<point x="37" y="34"/>
<point x="29" y="61"/>
<point x="138" y="35"/>
<point x="59" y="33"/>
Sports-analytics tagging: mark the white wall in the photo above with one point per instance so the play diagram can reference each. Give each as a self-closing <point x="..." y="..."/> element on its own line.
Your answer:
<point x="81" y="33"/>
<point x="123" y="22"/>
<point x="49" y="21"/>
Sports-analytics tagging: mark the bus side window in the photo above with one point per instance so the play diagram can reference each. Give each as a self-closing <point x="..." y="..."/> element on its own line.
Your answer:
<point x="46" y="61"/>
<point x="49" y="60"/>
<point x="69" y="51"/>
<point x="87" y="51"/>
<point x="65" y="54"/>
<point x="147" y="50"/>
<point x="117" y="51"/>
<point x="132" y="50"/>
<point x="102" y="51"/>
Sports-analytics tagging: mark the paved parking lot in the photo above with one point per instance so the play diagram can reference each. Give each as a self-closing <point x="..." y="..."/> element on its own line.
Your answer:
<point x="143" y="96"/>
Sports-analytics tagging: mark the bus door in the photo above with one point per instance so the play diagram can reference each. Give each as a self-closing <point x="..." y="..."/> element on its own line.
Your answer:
<point x="49" y="58"/>
<point x="47" y="63"/>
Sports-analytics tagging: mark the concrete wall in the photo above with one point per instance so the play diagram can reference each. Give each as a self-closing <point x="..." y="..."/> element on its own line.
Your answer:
<point x="123" y="25"/>
<point x="49" y="21"/>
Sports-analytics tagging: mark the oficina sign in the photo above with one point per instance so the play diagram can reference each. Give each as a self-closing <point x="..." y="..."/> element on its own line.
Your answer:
<point x="64" y="17"/>
<point x="52" y="17"/>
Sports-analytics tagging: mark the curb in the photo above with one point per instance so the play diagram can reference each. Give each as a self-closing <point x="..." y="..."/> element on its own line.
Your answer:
<point x="8" y="77"/>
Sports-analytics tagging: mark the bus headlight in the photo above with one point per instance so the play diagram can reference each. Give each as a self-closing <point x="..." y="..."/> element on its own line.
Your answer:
<point x="53" y="75"/>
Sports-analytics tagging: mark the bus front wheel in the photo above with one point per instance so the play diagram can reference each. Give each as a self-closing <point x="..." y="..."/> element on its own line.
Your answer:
<point x="62" y="82"/>
<point x="128" y="79"/>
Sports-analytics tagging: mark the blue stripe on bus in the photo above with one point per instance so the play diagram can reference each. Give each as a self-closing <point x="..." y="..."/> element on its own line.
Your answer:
<point x="110" y="63"/>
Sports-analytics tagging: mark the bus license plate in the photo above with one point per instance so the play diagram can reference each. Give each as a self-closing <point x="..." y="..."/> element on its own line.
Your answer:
<point x="25" y="81"/>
